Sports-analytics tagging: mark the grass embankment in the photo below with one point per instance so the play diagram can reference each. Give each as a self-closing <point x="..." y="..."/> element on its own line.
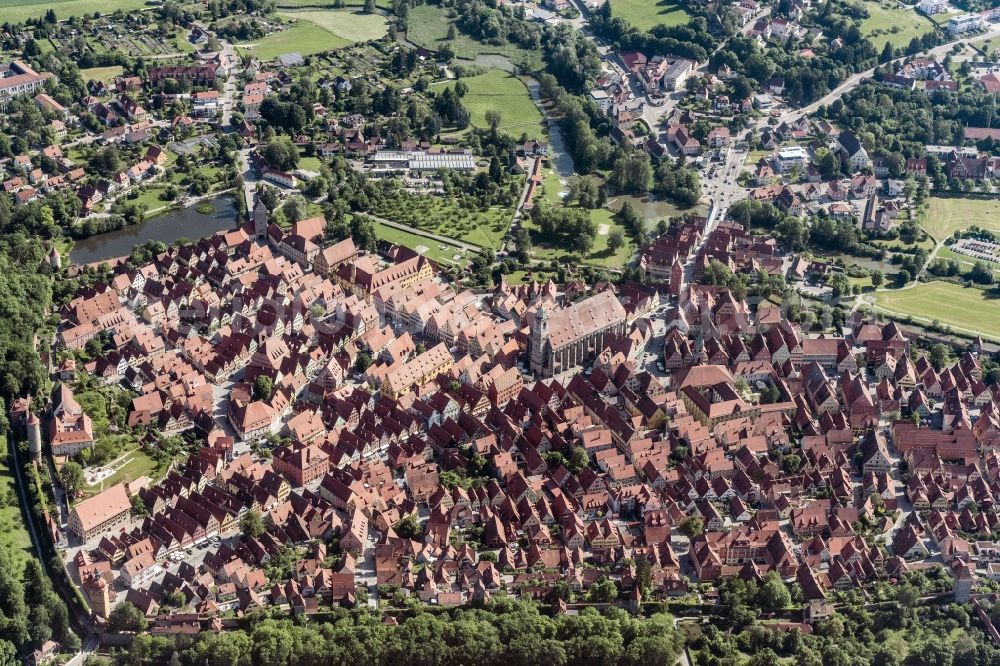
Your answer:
<point x="499" y="91"/>
<point x="428" y="27"/>
<point x="966" y="308"/>
<point x="14" y="537"/>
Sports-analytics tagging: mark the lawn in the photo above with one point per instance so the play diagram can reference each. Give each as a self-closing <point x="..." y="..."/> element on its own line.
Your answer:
<point x="428" y="27"/>
<point x="305" y="38"/>
<point x="14" y="537"/>
<point x="523" y="277"/>
<point x="499" y="91"/>
<point x="755" y="156"/>
<point x="967" y="308"/>
<point x="599" y="254"/>
<point x="310" y="163"/>
<point x="644" y="14"/>
<point x="888" y="23"/>
<point x="134" y="464"/>
<point x="551" y="194"/>
<point x="432" y="249"/>
<point x="926" y="244"/>
<point x="18" y="11"/>
<point x="352" y="26"/>
<point x="105" y="74"/>
<point x="151" y="197"/>
<point x="946" y="215"/>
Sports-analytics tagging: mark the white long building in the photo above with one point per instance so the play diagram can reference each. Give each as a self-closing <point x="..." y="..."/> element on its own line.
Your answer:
<point x="17" y="78"/>
<point x="421" y="161"/>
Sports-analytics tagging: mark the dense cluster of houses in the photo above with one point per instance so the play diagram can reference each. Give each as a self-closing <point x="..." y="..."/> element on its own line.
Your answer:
<point x="363" y="445"/>
<point x="391" y="392"/>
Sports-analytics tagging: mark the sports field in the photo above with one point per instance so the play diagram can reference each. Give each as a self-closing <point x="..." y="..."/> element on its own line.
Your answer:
<point x="318" y="31"/>
<point x="499" y="91"/>
<point x="946" y="215"/>
<point x="965" y="308"/>
<point x="887" y="22"/>
<point x="644" y="14"/>
<point x="17" y="11"/>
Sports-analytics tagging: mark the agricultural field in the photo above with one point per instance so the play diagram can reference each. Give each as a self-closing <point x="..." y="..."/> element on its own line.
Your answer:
<point x="644" y="14"/>
<point x="946" y="215"/>
<point x="966" y="308"/>
<point x="428" y="27"/>
<point x="888" y="22"/>
<point x="499" y="91"/>
<point x="446" y="255"/>
<point x="352" y="26"/>
<point x="18" y="11"/>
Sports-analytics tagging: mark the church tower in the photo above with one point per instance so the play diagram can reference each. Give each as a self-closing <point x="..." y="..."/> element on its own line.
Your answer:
<point x="259" y="217"/>
<point x="539" y="338"/>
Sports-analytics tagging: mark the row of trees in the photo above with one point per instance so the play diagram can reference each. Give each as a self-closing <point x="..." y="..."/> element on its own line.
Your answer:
<point x="570" y="228"/>
<point x="506" y="632"/>
<point x="31" y="613"/>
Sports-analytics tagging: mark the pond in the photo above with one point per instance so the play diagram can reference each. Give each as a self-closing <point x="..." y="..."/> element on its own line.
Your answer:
<point x="166" y="228"/>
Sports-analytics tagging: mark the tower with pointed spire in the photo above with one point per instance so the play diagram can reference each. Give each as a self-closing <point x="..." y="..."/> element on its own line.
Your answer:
<point x="539" y="337"/>
<point x="34" y="437"/>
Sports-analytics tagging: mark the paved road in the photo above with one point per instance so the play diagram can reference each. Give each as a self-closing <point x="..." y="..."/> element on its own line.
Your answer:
<point x="723" y="191"/>
<point x="249" y="179"/>
<point x="229" y="89"/>
<point x="853" y="82"/>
